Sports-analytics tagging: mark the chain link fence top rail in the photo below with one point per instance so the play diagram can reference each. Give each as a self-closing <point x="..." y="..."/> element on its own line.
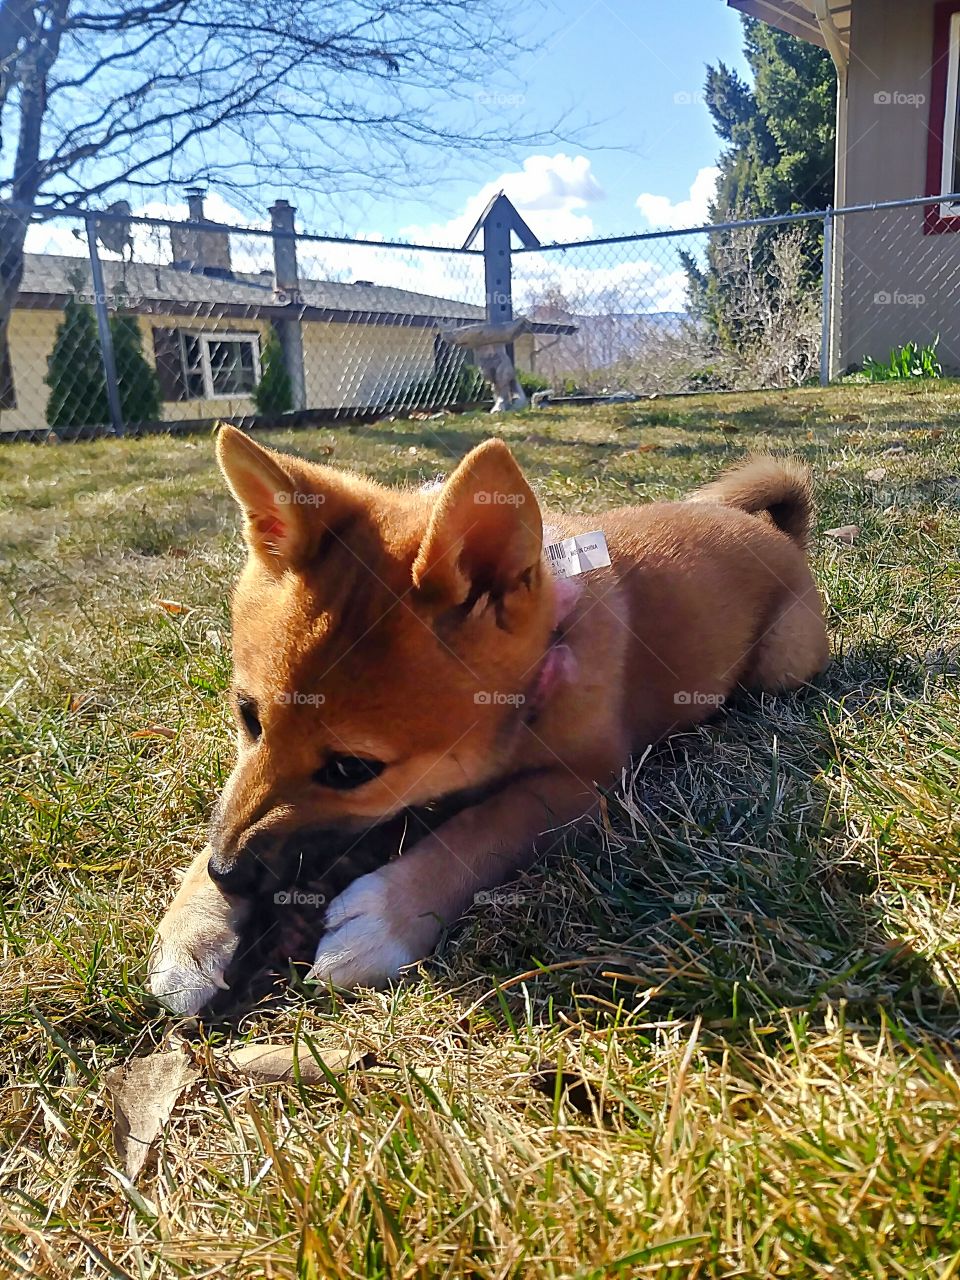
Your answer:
<point x="125" y="323"/>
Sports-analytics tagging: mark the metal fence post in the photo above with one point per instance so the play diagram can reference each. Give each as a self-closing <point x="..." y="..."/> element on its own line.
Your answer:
<point x="103" y="327"/>
<point x="826" y="334"/>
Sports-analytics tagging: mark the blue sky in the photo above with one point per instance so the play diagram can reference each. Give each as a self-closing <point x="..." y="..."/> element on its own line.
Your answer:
<point x="636" y="146"/>
<point x="635" y="69"/>
<point x="637" y="149"/>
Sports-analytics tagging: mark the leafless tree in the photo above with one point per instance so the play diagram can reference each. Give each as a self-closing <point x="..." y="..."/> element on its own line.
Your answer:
<point x="143" y="95"/>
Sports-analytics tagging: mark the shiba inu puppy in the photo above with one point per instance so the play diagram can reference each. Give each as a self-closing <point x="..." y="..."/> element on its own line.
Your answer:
<point x="394" y="648"/>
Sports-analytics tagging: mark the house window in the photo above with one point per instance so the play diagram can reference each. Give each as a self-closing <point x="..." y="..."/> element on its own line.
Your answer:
<point x="950" y="160"/>
<point x="206" y="366"/>
<point x="943" y="152"/>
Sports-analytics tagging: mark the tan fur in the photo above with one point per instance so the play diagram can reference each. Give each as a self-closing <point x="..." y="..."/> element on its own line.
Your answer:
<point x="408" y="628"/>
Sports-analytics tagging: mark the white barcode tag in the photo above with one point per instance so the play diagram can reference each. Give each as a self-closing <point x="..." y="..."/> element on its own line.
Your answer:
<point x="573" y="556"/>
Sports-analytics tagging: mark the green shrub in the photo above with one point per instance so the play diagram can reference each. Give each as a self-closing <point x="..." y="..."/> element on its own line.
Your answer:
<point x="76" y="378"/>
<point x="463" y="385"/>
<point x="137" y="379"/>
<point x="273" y="394"/>
<point x="908" y="361"/>
<point x="78" y="387"/>
<point x="532" y="382"/>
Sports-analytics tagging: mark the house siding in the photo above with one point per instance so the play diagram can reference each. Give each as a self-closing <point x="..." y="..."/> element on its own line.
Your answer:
<point x="347" y="367"/>
<point x="355" y="366"/>
<point x="31" y="336"/>
<point x="898" y="283"/>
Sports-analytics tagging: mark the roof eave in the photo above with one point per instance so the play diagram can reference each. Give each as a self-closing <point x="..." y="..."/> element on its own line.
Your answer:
<point x="200" y="311"/>
<point x="788" y="16"/>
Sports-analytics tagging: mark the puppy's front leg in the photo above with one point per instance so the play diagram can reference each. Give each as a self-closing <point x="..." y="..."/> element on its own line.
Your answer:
<point x="394" y="915"/>
<point x="195" y="941"/>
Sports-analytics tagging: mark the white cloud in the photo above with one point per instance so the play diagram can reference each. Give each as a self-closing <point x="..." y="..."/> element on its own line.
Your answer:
<point x="553" y="193"/>
<point x="660" y="211"/>
<point x="550" y="192"/>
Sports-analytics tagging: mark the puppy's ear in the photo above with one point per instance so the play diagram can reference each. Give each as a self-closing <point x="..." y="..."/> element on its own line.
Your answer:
<point x="276" y="523"/>
<point x="485" y="534"/>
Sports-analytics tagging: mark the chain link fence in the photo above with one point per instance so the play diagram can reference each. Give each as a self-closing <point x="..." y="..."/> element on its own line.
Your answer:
<point x="123" y="323"/>
<point x="728" y="309"/>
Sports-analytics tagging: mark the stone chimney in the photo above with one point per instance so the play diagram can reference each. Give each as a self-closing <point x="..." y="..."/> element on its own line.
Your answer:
<point x="205" y="252"/>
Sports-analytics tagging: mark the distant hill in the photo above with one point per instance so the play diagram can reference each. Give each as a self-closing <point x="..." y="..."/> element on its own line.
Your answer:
<point x="604" y="343"/>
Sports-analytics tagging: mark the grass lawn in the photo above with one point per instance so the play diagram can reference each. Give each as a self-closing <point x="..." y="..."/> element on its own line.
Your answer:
<point x="749" y="976"/>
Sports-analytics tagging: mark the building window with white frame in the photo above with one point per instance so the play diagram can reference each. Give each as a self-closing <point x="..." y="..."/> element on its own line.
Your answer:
<point x="943" y="163"/>
<point x="217" y="365"/>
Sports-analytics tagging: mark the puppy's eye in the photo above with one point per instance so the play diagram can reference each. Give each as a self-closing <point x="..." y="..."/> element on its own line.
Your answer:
<point x="344" y="773"/>
<point x="248" y="714"/>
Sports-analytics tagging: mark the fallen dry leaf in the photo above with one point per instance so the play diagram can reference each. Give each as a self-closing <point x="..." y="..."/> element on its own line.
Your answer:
<point x="155" y="731"/>
<point x="171" y="606"/>
<point x="847" y="533"/>
<point x="875" y="476"/>
<point x="145" y="1092"/>
<point x="268" y="1063"/>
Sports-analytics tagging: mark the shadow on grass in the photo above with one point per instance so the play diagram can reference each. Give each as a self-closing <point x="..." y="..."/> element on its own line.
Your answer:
<point x="725" y="887"/>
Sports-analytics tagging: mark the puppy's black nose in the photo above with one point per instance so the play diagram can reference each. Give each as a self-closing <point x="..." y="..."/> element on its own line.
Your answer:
<point x="240" y="874"/>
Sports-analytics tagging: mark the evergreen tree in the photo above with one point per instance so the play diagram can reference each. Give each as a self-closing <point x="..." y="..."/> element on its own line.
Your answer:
<point x="273" y="394"/>
<point x="136" y="377"/>
<point x="779" y="158"/>
<point x="78" y="389"/>
<point x="780" y="133"/>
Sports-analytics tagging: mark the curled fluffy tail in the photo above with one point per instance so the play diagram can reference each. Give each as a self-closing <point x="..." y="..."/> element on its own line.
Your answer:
<point x="777" y="486"/>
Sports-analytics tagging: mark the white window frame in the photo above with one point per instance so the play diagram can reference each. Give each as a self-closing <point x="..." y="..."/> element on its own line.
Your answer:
<point x="950" y="208"/>
<point x="207" y="336"/>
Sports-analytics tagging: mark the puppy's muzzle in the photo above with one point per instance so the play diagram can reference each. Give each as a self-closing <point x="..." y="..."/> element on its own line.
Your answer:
<point x="249" y="867"/>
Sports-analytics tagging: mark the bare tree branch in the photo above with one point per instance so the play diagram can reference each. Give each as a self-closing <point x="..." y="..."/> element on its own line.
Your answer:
<point x="134" y="96"/>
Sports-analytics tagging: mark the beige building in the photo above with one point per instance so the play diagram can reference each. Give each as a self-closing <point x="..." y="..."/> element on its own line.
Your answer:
<point x="357" y="347"/>
<point x="896" y="272"/>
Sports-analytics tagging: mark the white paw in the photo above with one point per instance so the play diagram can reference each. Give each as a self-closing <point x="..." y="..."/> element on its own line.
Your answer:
<point x="362" y="946"/>
<point x="184" y="980"/>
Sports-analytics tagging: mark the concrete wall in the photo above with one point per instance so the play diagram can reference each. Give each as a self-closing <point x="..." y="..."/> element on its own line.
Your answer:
<point x="898" y="283"/>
